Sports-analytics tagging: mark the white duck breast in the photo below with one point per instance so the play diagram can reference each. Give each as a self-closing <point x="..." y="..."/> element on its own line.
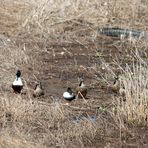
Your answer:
<point x="67" y="95"/>
<point x="17" y="82"/>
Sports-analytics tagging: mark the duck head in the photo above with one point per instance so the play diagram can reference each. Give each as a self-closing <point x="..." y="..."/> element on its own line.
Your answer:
<point x="38" y="85"/>
<point x="116" y="80"/>
<point x="18" y="73"/>
<point x="81" y="81"/>
<point x="69" y="90"/>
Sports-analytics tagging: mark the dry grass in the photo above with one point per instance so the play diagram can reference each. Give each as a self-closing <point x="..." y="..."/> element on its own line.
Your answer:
<point x="30" y="123"/>
<point x="65" y="19"/>
<point x="134" y="79"/>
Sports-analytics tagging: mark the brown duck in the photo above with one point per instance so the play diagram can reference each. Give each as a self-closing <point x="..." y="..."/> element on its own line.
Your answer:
<point x="81" y="90"/>
<point x="116" y="87"/>
<point x="38" y="91"/>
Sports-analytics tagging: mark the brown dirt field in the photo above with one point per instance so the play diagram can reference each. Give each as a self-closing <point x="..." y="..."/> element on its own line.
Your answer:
<point x="58" y="65"/>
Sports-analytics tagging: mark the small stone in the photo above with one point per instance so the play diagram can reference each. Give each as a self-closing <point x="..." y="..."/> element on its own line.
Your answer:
<point x="62" y="53"/>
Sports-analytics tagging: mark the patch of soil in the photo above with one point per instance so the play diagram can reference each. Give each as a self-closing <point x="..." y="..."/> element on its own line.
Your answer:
<point x="58" y="65"/>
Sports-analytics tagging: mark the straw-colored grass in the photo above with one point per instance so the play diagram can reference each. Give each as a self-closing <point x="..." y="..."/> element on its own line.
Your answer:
<point x="134" y="79"/>
<point x="30" y="123"/>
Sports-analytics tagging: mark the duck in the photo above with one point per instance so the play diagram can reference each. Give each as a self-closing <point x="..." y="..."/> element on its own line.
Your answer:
<point x="81" y="89"/>
<point x="17" y="84"/>
<point x="38" y="90"/>
<point x="69" y="94"/>
<point x="117" y="88"/>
